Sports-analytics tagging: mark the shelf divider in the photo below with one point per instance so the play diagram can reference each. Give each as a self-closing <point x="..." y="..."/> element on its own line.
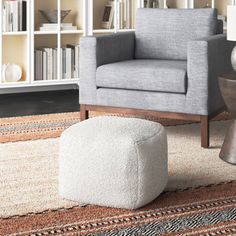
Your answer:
<point x="32" y="26"/>
<point x="1" y="42"/>
<point x="59" y="46"/>
<point x="29" y="55"/>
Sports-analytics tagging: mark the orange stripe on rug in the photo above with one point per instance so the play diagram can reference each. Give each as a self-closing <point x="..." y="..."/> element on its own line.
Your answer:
<point x="51" y="126"/>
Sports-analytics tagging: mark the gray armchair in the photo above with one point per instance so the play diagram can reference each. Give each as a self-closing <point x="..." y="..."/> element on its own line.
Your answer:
<point x="167" y="68"/>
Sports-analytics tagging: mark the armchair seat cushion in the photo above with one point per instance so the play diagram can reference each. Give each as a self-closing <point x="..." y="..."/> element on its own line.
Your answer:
<point x="146" y="75"/>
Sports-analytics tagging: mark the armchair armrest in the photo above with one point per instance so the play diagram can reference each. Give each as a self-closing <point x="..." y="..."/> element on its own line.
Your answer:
<point x="97" y="51"/>
<point x="207" y="59"/>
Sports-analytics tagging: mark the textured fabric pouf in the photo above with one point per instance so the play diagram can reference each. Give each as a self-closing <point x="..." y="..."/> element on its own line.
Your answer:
<point x="113" y="161"/>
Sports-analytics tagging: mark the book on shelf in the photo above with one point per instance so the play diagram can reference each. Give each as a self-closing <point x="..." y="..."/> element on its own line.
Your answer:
<point x="70" y="61"/>
<point x="75" y="59"/>
<point x="54" y="27"/>
<point x="127" y="14"/>
<point x="46" y="63"/>
<point x="151" y="4"/>
<point x="14" y="15"/>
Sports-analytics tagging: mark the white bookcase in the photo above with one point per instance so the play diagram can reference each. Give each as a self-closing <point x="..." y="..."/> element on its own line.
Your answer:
<point x="19" y="47"/>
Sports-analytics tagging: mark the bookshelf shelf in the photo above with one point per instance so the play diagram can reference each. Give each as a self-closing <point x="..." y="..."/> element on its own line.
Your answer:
<point x="72" y="32"/>
<point x="45" y="32"/>
<point x="125" y="30"/>
<point x="65" y="81"/>
<point x="60" y="32"/>
<point x="14" y="33"/>
<point x="10" y="84"/>
<point x="103" y="31"/>
<point x="38" y="84"/>
<point x="85" y="18"/>
<point x="46" y="81"/>
<point x="55" y="82"/>
<point x="14" y="85"/>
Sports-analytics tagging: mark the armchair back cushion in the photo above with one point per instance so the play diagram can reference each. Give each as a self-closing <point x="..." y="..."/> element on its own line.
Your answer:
<point x="164" y="33"/>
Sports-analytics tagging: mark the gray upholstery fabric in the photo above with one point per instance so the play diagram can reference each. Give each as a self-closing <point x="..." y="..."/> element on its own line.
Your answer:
<point x="207" y="58"/>
<point x="87" y="68"/>
<point x="169" y="102"/>
<point x="96" y="51"/>
<point x="147" y="75"/>
<point x="220" y="27"/>
<point x="164" y="33"/>
<point x="115" y="47"/>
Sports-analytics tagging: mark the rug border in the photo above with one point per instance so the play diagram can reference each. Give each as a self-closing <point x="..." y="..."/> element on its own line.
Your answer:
<point x="85" y="205"/>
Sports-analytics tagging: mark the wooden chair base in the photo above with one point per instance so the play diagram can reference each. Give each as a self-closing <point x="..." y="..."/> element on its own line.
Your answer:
<point x="205" y="120"/>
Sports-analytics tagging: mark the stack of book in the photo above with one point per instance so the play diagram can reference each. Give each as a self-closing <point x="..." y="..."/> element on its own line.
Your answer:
<point x="46" y="61"/>
<point x="151" y="3"/>
<point x="54" y="27"/>
<point x="46" y="64"/>
<point x="70" y="61"/>
<point x="14" y="15"/>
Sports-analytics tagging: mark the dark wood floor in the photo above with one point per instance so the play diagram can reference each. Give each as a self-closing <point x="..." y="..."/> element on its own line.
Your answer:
<point x="39" y="103"/>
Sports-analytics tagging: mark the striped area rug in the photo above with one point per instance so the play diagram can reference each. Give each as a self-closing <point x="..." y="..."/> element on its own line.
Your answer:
<point x="35" y="127"/>
<point x="51" y="126"/>
<point x="205" y="211"/>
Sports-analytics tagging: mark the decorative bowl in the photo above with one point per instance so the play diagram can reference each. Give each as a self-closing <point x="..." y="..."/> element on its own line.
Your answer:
<point x="11" y="73"/>
<point x="51" y="16"/>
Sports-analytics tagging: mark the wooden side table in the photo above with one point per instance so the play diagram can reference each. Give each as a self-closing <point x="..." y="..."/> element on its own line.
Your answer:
<point x="227" y="85"/>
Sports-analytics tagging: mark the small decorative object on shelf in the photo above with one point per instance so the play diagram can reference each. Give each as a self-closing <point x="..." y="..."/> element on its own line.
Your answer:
<point x="231" y="31"/>
<point x="51" y="16"/>
<point x="53" y="27"/>
<point x="207" y="5"/>
<point x="108" y="15"/>
<point x="11" y="73"/>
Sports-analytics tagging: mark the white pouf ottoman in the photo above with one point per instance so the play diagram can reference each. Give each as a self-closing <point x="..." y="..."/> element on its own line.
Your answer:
<point x="113" y="161"/>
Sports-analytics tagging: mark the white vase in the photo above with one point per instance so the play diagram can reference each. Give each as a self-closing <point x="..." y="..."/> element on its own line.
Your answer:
<point x="233" y="58"/>
<point x="11" y="73"/>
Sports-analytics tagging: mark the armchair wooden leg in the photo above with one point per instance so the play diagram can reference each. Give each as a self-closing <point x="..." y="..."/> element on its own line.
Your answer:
<point x="205" y="131"/>
<point x="84" y="114"/>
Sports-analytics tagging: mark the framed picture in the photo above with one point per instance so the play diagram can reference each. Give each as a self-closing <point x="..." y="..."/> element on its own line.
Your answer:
<point x="108" y="16"/>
